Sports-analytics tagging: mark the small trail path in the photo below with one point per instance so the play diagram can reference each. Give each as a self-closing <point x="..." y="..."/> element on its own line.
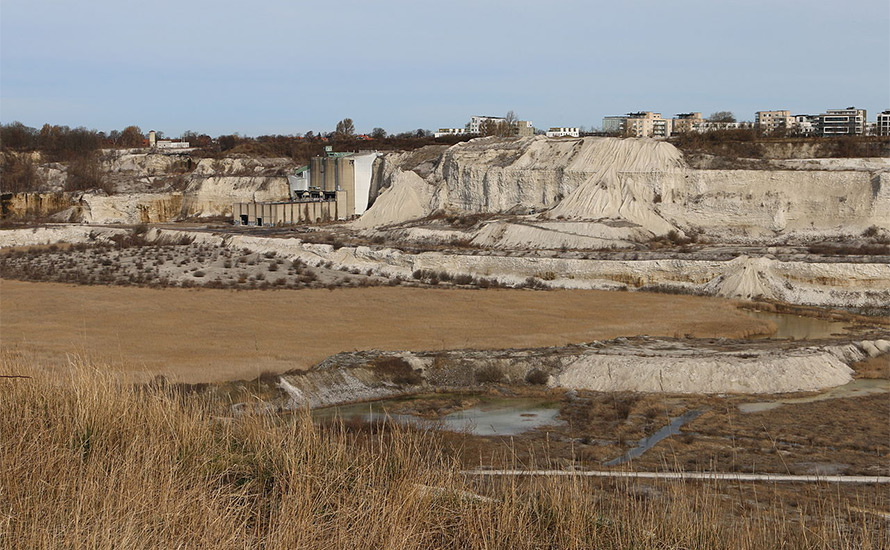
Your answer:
<point x="703" y="476"/>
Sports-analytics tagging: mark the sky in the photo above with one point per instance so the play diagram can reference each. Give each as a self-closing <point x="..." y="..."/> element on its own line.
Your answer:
<point x="291" y="66"/>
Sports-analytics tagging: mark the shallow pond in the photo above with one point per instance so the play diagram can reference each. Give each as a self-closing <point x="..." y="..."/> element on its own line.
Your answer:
<point x="495" y="416"/>
<point x="796" y="327"/>
<point x="856" y="388"/>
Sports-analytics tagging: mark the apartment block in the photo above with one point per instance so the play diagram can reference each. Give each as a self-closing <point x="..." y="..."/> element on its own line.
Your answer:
<point x="647" y="124"/>
<point x="614" y="124"/>
<point x="524" y="128"/>
<point x="806" y="125"/>
<point x="640" y="124"/>
<point x="687" y="122"/>
<point x="842" y="122"/>
<point x="770" y="121"/>
<point x="477" y="121"/>
<point x="882" y="125"/>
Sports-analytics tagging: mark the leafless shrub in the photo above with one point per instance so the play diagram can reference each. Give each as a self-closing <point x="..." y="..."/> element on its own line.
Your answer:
<point x="490" y="374"/>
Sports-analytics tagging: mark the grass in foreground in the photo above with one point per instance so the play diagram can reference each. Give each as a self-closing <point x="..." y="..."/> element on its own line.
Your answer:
<point x="90" y="463"/>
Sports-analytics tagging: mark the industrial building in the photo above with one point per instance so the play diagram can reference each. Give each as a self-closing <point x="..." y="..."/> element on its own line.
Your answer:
<point x="336" y="186"/>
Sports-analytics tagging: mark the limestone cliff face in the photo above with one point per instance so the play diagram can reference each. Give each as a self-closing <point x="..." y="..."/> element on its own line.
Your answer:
<point x="648" y="184"/>
<point x="152" y="187"/>
<point x="35" y="205"/>
<point x="214" y="195"/>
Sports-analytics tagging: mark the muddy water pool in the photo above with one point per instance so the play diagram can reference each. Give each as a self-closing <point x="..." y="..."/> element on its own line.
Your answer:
<point x="856" y="388"/>
<point x="496" y="416"/>
<point x="796" y="327"/>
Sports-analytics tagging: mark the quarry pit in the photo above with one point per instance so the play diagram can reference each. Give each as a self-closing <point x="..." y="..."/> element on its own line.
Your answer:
<point x="608" y="278"/>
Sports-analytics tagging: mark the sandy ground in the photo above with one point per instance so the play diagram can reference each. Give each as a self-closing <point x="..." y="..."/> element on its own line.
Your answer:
<point x="214" y="335"/>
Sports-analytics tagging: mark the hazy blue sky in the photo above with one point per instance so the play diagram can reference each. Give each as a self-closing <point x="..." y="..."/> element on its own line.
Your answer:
<point x="279" y="66"/>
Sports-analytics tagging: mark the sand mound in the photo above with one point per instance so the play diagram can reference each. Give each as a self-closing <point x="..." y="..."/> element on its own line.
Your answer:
<point x="624" y="179"/>
<point x="408" y="198"/>
<point x="747" y="278"/>
<point x="702" y="371"/>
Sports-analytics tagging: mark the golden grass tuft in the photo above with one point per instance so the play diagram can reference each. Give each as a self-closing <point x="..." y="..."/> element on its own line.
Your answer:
<point x="89" y="462"/>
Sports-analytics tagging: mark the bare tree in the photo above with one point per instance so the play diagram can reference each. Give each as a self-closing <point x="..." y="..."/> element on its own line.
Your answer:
<point x="489" y="127"/>
<point x="132" y="137"/>
<point x="345" y="129"/>
<point x="85" y="173"/>
<point x="378" y="133"/>
<point x="722" y="116"/>
<point x="508" y="126"/>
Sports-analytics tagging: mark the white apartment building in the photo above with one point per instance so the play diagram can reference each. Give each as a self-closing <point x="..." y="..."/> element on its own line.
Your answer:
<point x="450" y="132"/>
<point x="882" y="126"/>
<point x="562" y="131"/>
<point x="477" y="121"/>
<point x="806" y="125"/>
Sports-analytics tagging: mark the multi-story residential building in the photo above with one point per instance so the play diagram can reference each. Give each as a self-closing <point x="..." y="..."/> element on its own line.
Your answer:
<point x="647" y="124"/>
<point x="806" y="125"/>
<point x="523" y="128"/>
<point x="477" y="121"/>
<point x="562" y="131"/>
<point x="842" y="122"/>
<point x="882" y="125"/>
<point x="687" y="122"/>
<point x="768" y="122"/>
<point x="640" y="124"/>
<point x="614" y="124"/>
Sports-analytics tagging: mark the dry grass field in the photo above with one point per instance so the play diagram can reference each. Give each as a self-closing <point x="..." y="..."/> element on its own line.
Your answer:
<point x="91" y="463"/>
<point x="204" y="335"/>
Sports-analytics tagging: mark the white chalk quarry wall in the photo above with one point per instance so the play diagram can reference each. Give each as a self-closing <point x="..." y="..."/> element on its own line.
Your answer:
<point x="647" y="183"/>
<point x="214" y="195"/>
<point x="210" y="189"/>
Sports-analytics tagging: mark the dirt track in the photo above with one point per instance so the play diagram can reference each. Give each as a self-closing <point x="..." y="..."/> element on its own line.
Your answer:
<point x="214" y="335"/>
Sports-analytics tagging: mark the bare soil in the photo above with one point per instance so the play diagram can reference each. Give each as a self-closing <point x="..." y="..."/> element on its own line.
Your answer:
<point x="206" y="335"/>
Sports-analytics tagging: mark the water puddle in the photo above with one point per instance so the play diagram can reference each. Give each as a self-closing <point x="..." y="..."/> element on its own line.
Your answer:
<point x="856" y="388"/>
<point x="489" y="417"/>
<point x="796" y="327"/>
<point x="647" y="443"/>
